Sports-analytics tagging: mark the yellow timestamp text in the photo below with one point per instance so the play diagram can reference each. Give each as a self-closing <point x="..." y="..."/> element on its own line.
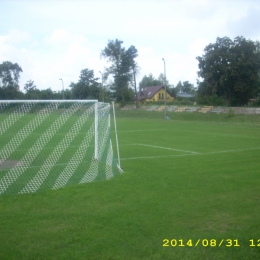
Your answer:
<point x="200" y="242"/>
<point x="207" y="242"/>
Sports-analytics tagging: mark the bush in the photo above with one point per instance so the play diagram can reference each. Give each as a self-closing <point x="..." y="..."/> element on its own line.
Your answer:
<point x="186" y="102"/>
<point x="254" y="104"/>
<point x="212" y="100"/>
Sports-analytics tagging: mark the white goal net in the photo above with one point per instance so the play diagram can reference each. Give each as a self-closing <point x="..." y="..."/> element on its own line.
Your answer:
<point x="48" y="144"/>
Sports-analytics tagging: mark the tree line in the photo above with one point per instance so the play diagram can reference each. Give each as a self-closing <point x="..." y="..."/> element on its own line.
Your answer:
<point x="229" y="73"/>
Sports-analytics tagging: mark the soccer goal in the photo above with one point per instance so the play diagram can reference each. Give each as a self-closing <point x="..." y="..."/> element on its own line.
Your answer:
<point x="49" y="144"/>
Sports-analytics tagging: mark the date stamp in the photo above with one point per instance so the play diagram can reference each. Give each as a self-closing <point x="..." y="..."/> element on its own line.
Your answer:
<point x="207" y="242"/>
<point x="254" y="242"/>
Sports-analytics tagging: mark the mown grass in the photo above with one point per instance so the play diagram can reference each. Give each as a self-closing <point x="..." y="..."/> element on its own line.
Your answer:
<point x="190" y="177"/>
<point x="44" y="145"/>
<point x="190" y="116"/>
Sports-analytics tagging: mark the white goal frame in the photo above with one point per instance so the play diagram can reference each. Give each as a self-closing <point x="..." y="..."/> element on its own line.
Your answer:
<point x="98" y="112"/>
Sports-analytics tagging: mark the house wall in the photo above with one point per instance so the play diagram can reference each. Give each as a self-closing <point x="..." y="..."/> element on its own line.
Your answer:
<point x="159" y="96"/>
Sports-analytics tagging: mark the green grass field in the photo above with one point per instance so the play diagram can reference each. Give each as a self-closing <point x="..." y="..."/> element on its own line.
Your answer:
<point x="190" y="190"/>
<point x="44" y="151"/>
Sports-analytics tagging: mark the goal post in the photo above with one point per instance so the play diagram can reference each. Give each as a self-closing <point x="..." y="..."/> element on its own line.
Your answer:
<point x="49" y="144"/>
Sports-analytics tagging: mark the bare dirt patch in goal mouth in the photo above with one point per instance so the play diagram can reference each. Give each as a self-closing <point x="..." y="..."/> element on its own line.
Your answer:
<point x="9" y="164"/>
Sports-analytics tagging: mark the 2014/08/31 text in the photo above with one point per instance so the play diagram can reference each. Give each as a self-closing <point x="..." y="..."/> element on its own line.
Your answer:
<point x="207" y="242"/>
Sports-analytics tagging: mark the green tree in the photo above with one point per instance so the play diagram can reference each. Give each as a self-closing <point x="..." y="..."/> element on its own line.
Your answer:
<point x="86" y="87"/>
<point x="179" y="87"/>
<point x="31" y="92"/>
<point x="148" y="81"/>
<point x="185" y="87"/>
<point x="230" y="68"/>
<point x="188" y="88"/>
<point x="29" y="86"/>
<point x="67" y="93"/>
<point x="9" y="76"/>
<point x="122" y="66"/>
<point x="161" y="79"/>
<point x="46" y="94"/>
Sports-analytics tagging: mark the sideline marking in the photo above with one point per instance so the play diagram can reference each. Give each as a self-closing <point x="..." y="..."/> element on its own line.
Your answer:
<point x="165" y="156"/>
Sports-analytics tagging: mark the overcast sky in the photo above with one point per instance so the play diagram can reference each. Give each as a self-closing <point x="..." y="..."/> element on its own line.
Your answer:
<point x="53" y="39"/>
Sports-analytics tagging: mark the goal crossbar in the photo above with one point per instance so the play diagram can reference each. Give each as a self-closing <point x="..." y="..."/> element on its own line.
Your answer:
<point x="49" y="101"/>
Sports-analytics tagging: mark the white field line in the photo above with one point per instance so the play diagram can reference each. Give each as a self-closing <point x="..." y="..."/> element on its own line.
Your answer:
<point x="166" y="148"/>
<point x="153" y="157"/>
<point x="165" y="156"/>
<point x="146" y="130"/>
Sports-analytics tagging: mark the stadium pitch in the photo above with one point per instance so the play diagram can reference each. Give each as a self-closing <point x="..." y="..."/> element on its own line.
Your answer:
<point x="190" y="190"/>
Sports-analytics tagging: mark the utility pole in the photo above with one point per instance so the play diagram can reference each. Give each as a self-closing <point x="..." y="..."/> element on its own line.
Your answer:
<point x="102" y="86"/>
<point x="62" y="88"/>
<point x="63" y="91"/>
<point x="136" y="102"/>
<point x="165" y="112"/>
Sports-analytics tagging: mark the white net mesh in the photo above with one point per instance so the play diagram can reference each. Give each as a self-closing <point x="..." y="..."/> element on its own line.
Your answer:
<point x="48" y="145"/>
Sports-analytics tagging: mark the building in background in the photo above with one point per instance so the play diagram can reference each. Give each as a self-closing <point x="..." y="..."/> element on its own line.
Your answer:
<point x="153" y="94"/>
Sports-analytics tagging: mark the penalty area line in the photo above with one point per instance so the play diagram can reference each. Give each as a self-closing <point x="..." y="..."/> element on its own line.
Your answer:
<point x="153" y="157"/>
<point x="166" y="148"/>
<point x="146" y="130"/>
<point x="179" y="155"/>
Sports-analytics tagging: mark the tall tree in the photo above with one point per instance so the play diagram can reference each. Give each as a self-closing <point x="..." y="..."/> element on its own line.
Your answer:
<point x="188" y="87"/>
<point x="31" y="92"/>
<point x="179" y="87"/>
<point x="148" y="81"/>
<point x="230" y="68"/>
<point x="46" y="94"/>
<point x="162" y="79"/>
<point x="9" y="76"/>
<point x="183" y="87"/>
<point x="122" y="66"/>
<point x="86" y="87"/>
<point x="29" y="86"/>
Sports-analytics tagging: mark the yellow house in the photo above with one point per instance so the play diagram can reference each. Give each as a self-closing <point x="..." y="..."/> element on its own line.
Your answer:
<point x="154" y="93"/>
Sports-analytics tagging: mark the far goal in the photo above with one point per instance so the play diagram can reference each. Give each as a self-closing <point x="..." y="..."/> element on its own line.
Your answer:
<point x="49" y="144"/>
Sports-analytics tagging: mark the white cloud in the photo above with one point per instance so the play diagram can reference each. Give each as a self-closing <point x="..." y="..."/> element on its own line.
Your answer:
<point x="247" y="24"/>
<point x="180" y="66"/>
<point x="148" y="62"/>
<point x="60" y="55"/>
<point x="57" y="39"/>
<point x="197" y="46"/>
<point x="15" y="37"/>
<point x="58" y="36"/>
<point x="62" y="36"/>
<point x="12" y="50"/>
